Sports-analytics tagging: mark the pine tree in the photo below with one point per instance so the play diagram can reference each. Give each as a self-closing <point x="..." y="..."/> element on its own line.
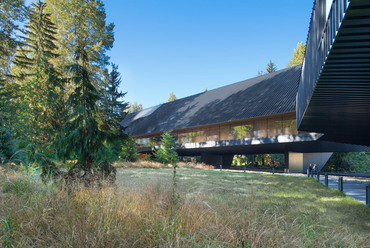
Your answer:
<point x="271" y="67"/>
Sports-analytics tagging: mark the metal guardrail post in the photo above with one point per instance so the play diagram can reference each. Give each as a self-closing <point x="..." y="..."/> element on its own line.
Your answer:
<point x="368" y="195"/>
<point x="318" y="176"/>
<point x="245" y="169"/>
<point x="340" y="184"/>
<point x="220" y="167"/>
<point x="326" y="180"/>
<point x="273" y="170"/>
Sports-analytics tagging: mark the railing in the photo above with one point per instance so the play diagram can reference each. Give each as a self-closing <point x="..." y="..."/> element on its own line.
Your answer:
<point x="321" y="36"/>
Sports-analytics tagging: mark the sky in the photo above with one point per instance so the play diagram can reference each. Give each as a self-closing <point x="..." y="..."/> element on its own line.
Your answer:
<point x="187" y="46"/>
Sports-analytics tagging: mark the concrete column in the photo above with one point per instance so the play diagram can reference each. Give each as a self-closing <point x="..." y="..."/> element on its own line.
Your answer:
<point x="299" y="162"/>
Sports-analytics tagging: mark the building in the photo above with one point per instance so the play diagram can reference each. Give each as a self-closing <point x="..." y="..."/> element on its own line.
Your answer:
<point x="249" y="117"/>
<point x="334" y="91"/>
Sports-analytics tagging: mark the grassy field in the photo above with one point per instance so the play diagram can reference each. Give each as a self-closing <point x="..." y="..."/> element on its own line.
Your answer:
<point x="209" y="209"/>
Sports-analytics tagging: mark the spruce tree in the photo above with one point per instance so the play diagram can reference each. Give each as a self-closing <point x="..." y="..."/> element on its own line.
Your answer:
<point x="271" y="67"/>
<point x="166" y="153"/>
<point x="39" y="83"/>
<point x="83" y="137"/>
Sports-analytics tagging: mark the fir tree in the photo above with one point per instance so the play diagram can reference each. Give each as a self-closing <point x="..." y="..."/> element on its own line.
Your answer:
<point x="83" y="136"/>
<point x="166" y="153"/>
<point x="271" y="67"/>
<point x="39" y="83"/>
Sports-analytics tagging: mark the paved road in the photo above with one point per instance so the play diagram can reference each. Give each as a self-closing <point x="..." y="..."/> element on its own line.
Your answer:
<point x="352" y="186"/>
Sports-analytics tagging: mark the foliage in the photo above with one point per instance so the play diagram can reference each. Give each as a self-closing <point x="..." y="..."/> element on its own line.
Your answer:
<point x="134" y="107"/>
<point x="129" y="150"/>
<point x="12" y="13"/>
<point x="271" y="67"/>
<point x="83" y="137"/>
<point x="7" y="144"/>
<point x="166" y="153"/>
<point x="113" y="106"/>
<point x="82" y="23"/>
<point x="348" y="162"/>
<point x="298" y="55"/>
<point x="41" y="88"/>
<point x="172" y="97"/>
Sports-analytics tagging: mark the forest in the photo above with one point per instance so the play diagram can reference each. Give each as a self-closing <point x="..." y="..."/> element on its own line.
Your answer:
<point x="60" y="101"/>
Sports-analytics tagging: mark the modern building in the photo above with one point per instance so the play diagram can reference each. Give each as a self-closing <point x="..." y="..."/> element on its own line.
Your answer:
<point x="334" y="90"/>
<point x="256" y="116"/>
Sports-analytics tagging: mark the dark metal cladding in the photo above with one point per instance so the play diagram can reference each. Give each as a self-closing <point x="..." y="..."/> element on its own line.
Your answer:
<point x="334" y="92"/>
<point x="270" y="94"/>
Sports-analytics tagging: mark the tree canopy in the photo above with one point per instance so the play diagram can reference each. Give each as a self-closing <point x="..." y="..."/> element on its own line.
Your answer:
<point x="298" y="55"/>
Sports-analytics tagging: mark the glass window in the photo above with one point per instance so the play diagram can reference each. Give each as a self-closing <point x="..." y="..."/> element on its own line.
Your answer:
<point x="213" y="134"/>
<point x="260" y="128"/>
<point x="242" y="131"/>
<point x="275" y="126"/>
<point x="289" y="126"/>
<point x="225" y="133"/>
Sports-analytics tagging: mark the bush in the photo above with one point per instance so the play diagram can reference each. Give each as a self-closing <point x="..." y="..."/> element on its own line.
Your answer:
<point x="129" y="150"/>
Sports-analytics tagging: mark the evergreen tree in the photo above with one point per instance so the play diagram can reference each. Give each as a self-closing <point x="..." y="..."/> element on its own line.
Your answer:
<point x="114" y="107"/>
<point x="298" y="55"/>
<point x="11" y="13"/>
<point x="83" y="137"/>
<point x="172" y="97"/>
<point x="134" y="107"/>
<point x="129" y="150"/>
<point x="166" y="153"/>
<point x="271" y="67"/>
<point x="39" y="83"/>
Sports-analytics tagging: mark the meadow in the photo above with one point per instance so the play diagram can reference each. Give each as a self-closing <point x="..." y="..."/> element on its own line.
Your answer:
<point x="205" y="208"/>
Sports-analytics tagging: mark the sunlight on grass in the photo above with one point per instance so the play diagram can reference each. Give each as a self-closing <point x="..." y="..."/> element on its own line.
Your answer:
<point x="215" y="209"/>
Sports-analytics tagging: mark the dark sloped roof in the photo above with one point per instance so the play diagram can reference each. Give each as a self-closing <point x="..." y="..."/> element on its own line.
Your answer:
<point x="270" y="94"/>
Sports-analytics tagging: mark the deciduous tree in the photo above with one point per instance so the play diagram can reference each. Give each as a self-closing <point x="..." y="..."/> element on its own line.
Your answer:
<point x="298" y="55"/>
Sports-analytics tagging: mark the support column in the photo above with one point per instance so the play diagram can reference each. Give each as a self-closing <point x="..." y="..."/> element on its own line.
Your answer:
<point x="299" y="162"/>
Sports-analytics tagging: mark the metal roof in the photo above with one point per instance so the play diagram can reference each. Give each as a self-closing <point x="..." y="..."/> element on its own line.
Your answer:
<point x="270" y="94"/>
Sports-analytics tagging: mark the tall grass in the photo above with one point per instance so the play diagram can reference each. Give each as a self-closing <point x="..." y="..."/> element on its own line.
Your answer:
<point x="143" y="214"/>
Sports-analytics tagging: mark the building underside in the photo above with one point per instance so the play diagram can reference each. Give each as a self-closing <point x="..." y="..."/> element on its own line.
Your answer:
<point x="334" y="91"/>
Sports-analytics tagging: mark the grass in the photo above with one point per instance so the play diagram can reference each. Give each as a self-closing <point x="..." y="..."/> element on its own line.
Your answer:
<point x="215" y="209"/>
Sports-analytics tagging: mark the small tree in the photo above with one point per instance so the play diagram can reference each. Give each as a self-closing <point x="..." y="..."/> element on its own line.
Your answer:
<point x="271" y="67"/>
<point x="172" y="97"/>
<point x="134" y="107"/>
<point x="166" y="153"/>
<point x="129" y="150"/>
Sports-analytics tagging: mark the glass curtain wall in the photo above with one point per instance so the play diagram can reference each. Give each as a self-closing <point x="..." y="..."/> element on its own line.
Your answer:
<point x="263" y="127"/>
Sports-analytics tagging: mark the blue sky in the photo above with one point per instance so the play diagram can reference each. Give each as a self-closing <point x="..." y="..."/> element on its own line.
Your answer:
<point x="189" y="45"/>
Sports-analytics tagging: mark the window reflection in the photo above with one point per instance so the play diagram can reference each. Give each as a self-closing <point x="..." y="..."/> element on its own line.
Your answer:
<point x="249" y="129"/>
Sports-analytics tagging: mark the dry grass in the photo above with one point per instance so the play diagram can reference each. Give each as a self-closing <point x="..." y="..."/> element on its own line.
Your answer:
<point x="153" y="164"/>
<point x="215" y="210"/>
